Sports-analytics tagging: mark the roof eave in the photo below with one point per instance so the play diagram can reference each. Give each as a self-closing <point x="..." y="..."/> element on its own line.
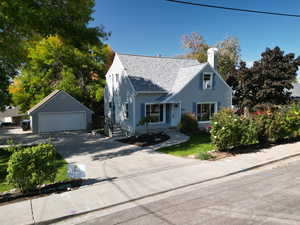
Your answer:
<point x="150" y="92"/>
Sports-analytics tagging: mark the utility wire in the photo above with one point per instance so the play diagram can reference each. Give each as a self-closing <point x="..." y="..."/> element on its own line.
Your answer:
<point x="234" y="9"/>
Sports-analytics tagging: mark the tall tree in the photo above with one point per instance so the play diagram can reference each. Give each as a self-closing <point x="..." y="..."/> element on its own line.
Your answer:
<point x="55" y="64"/>
<point x="228" y="56"/>
<point x="197" y="46"/>
<point x="268" y="81"/>
<point x="22" y="21"/>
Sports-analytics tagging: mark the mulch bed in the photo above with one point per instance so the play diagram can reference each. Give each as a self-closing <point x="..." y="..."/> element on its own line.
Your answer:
<point x="9" y="197"/>
<point x="146" y="139"/>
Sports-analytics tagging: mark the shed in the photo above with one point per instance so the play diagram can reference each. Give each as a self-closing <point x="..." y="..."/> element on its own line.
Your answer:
<point x="59" y="111"/>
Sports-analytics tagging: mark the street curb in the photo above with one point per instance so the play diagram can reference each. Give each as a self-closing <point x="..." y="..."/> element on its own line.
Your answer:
<point x="168" y="190"/>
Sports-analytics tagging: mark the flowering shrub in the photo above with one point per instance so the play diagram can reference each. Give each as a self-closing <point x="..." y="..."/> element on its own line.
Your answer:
<point x="230" y="130"/>
<point x="285" y="124"/>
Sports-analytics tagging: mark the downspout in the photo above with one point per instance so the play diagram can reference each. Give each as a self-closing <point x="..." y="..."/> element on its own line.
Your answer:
<point x="134" y="110"/>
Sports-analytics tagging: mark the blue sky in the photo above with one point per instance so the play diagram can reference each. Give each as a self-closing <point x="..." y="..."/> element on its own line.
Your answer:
<point x="152" y="27"/>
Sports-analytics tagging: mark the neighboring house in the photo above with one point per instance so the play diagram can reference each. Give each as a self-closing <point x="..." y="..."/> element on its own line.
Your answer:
<point x="59" y="111"/>
<point x="163" y="88"/>
<point x="296" y="92"/>
<point x="12" y="115"/>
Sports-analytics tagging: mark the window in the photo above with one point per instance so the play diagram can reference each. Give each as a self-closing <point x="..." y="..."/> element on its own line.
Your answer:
<point x="155" y="112"/>
<point x="207" y="81"/>
<point x="126" y="110"/>
<point x="110" y="104"/>
<point x="205" y="111"/>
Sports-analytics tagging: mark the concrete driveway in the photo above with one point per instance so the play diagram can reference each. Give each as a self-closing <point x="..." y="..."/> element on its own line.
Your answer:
<point x="98" y="158"/>
<point x="14" y="133"/>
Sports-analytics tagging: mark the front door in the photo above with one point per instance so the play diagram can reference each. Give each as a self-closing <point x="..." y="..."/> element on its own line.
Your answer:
<point x="175" y="114"/>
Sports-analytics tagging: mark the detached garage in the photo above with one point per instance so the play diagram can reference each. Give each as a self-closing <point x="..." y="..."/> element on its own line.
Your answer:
<point x="59" y="111"/>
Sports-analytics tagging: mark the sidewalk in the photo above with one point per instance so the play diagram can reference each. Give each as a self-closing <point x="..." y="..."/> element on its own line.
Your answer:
<point x="121" y="190"/>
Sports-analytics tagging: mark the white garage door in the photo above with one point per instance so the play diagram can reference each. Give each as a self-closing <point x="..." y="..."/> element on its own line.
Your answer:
<point x="62" y="121"/>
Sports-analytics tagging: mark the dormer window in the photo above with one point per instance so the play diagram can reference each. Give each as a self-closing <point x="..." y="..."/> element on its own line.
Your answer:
<point x="207" y="81"/>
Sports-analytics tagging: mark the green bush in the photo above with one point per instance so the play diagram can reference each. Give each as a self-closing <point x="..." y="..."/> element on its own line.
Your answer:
<point x="230" y="130"/>
<point x="188" y="124"/>
<point x="285" y="124"/>
<point x="12" y="146"/>
<point x="263" y="127"/>
<point x="293" y="121"/>
<point x="205" y="156"/>
<point x="32" y="166"/>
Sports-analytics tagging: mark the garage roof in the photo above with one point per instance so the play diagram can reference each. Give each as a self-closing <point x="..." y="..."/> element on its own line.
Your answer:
<point x="51" y="96"/>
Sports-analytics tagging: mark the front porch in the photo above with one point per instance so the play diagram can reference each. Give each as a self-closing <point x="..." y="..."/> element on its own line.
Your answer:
<point x="163" y="116"/>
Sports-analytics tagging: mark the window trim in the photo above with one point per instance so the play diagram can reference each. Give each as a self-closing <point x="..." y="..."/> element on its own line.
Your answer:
<point x="198" y="103"/>
<point x="211" y="80"/>
<point x="164" y="112"/>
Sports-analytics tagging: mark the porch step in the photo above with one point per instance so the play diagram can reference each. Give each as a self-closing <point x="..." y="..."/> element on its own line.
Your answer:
<point x="117" y="132"/>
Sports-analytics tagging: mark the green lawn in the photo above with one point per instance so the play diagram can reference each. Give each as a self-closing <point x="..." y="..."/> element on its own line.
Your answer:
<point x="197" y="143"/>
<point x="62" y="173"/>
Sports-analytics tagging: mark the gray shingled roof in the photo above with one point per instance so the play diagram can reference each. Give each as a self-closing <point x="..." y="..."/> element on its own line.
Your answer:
<point x="47" y="98"/>
<point x="12" y="112"/>
<point x="185" y="74"/>
<point x="148" y="73"/>
<point x="296" y="90"/>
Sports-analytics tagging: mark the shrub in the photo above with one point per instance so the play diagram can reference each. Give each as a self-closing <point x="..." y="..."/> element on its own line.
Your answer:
<point x="32" y="166"/>
<point x="263" y="126"/>
<point x="205" y="156"/>
<point x="12" y="146"/>
<point x="285" y="124"/>
<point x="188" y="124"/>
<point x="293" y="121"/>
<point x="230" y="130"/>
<point x="145" y="121"/>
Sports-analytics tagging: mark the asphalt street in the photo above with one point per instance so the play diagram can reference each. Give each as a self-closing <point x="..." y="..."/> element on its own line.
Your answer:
<point x="268" y="197"/>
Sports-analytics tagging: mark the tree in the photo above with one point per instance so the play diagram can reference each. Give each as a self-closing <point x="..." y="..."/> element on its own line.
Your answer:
<point x="30" y="20"/>
<point x="55" y="64"/>
<point x="228" y="56"/>
<point x="268" y="81"/>
<point x="4" y="82"/>
<point x="197" y="46"/>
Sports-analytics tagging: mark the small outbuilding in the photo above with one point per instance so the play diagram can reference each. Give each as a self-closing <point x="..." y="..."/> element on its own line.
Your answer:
<point x="296" y="92"/>
<point x="12" y="115"/>
<point x="59" y="111"/>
